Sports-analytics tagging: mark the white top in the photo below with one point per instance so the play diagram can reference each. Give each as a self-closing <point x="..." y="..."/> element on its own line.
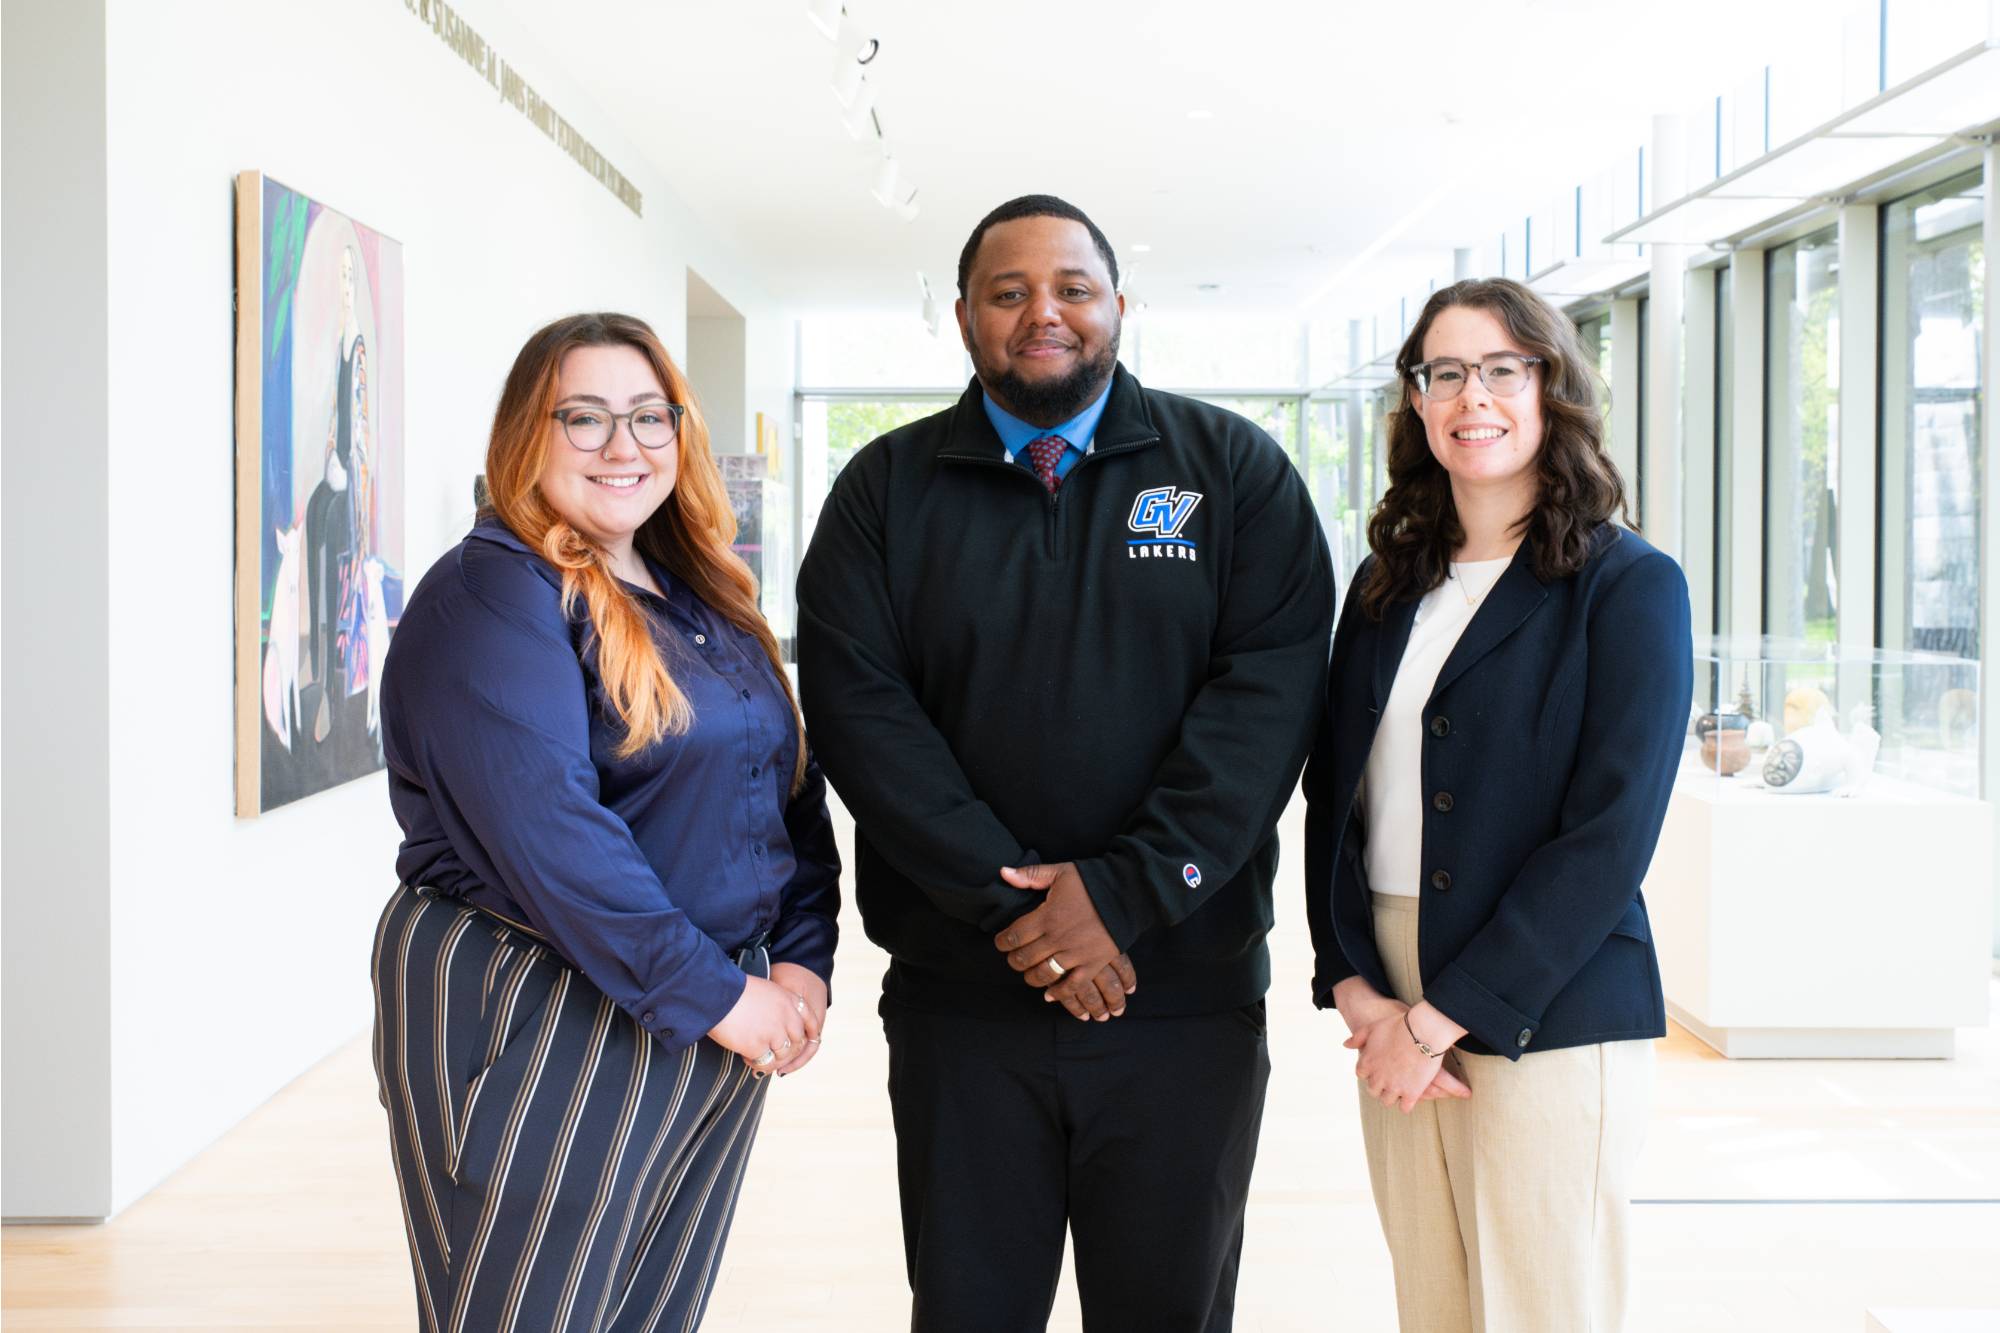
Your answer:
<point x="1393" y="783"/>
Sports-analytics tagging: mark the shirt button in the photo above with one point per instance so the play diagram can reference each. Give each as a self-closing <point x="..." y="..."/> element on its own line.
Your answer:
<point x="1525" y="1037"/>
<point x="757" y="849"/>
<point x="701" y="638"/>
<point x="1440" y="726"/>
<point x="1441" y="881"/>
<point x="646" y="1017"/>
<point x="746" y="694"/>
<point x="753" y="770"/>
<point x="1442" y="802"/>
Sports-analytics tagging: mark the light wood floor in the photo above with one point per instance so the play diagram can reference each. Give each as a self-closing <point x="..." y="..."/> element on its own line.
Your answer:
<point x="291" y="1221"/>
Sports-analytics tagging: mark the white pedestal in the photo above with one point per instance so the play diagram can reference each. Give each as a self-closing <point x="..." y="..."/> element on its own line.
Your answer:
<point x="1823" y="926"/>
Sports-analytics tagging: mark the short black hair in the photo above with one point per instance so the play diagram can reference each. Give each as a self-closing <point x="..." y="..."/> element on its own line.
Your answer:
<point x="1033" y="206"/>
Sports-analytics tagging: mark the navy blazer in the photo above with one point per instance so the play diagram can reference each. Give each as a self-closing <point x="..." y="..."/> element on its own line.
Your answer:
<point x="1550" y="744"/>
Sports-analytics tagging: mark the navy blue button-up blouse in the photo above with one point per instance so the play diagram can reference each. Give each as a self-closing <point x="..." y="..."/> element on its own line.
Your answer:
<point x="646" y="873"/>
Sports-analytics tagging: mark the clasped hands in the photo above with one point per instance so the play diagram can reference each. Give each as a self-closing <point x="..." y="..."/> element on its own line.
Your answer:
<point x="1062" y="947"/>
<point x="775" y="1025"/>
<point x="1391" y="1066"/>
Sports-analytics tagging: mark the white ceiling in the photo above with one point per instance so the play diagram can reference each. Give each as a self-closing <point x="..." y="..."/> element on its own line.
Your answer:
<point x="1329" y="125"/>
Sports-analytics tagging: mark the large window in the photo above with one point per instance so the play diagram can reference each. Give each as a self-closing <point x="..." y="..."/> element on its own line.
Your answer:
<point x="1595" y="334"/>
<point x="1637" y="492"/>
<point x="1183" y="352"/>
<point x="860" y="375"/>
<point x="1278" y="417"/>
<point x="840" y="426"/>
<point x="1329" y="449"/>
<point x="1388" y="400"/>
<point x="1345" y="468"/>
<point x="1802" y="439"/>
<point x="832" y="429"/>
<point x="1725" y="449"/>
<point x="1933" y="283"/>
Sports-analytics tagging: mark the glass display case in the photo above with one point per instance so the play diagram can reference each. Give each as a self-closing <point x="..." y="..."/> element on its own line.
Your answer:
<point x="1791" y="718"/>
<point x="763" y="507"/>
<point x="1826" y="825"/>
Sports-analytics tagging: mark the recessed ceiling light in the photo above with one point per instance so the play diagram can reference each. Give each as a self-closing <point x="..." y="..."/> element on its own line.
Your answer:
<point x="1201" y="115"/>
<point x="1139" y="249"/>
<point x="1208" y="286"/>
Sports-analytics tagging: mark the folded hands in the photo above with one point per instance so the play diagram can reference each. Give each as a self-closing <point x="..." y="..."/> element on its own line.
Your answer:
<point x="1062" y="948"/>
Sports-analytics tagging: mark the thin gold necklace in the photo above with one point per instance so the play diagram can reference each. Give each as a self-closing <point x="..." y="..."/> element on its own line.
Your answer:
<point x="1471" y="601"/>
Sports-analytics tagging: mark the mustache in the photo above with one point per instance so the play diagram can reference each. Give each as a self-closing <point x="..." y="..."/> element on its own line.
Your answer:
<point x="1046" y="402"/>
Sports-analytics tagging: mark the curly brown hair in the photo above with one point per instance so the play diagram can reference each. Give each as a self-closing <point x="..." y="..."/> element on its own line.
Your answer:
<point x="1415" y="529"/>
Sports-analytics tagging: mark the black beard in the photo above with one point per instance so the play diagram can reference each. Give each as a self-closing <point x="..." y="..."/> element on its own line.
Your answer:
<point x="1051" y="402"/>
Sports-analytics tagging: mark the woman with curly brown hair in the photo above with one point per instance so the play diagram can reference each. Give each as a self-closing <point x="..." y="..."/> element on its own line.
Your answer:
<point x="618" y="881"/>
<point x="1505" y="708"/>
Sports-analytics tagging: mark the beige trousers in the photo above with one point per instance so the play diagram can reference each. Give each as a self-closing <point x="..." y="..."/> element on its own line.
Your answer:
<point x="1508" y="1212"/>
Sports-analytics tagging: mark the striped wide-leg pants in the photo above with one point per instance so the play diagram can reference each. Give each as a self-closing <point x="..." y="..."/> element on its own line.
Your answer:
<point x="561" y="1170"/>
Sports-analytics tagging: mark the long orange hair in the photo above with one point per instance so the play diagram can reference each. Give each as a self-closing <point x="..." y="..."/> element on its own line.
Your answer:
<point x="689" y="534"/>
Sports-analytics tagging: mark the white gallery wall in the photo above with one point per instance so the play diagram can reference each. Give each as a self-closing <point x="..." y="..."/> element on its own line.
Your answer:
<point x="236" y="951"/>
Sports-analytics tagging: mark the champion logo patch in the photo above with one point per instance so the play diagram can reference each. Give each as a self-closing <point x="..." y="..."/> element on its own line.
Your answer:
<point x="1160" y="515"/>
<point x="1192" y="874"/>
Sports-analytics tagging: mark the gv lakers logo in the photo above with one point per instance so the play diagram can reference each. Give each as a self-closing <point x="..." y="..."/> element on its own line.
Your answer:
<point x="1159" y="515"/>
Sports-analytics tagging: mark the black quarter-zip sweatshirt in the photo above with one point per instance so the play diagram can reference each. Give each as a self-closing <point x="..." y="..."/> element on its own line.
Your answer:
<point x="1125" y="674"/>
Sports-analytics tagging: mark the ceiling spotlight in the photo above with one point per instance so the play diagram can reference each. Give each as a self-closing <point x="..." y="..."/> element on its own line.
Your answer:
<point x="1201" y="115"/>
<point x="1141" y="249"/>
<point x="859" y="118"/>
<point x="846" y="81"/>
<point x="825" y="15"/>
<point x="887" y="177"/>
<point x="852" y="55"/>
<point x="1210" y="287"/>
<point x="930" y="305"/>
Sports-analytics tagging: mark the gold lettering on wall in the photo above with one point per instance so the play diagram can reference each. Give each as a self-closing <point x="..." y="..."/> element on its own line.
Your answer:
<point x="466" y="43"/>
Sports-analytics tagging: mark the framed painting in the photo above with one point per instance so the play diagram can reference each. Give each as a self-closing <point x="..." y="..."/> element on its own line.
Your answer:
<point x="319" y="491"/>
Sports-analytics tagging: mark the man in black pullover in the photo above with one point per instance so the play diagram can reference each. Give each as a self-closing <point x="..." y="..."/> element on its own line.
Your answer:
<point x="1061" y="651"/>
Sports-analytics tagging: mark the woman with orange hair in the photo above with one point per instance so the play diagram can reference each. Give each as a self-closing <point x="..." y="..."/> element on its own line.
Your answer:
<point x="617" y="884"/>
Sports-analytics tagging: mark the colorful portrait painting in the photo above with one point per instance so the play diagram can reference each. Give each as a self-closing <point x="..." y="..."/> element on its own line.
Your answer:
<point x="319" y="491"/>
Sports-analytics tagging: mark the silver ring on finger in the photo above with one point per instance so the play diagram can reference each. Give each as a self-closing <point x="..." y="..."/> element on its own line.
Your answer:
<point x="812" y="1041"/>
<point x="767" y="1058"/>
<point x="1056" y="967"/>
<point x="799" y="1003"/>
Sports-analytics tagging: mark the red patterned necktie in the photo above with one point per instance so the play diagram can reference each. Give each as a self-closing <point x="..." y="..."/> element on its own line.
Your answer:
<point x="1044" y="454"/>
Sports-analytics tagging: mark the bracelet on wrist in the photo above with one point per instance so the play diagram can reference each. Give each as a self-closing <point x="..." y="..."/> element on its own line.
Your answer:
<point x="1435" y="1055"/>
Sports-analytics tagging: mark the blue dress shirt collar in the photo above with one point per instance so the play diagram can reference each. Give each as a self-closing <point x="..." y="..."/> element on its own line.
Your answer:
<point x="1016" y="434"/>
